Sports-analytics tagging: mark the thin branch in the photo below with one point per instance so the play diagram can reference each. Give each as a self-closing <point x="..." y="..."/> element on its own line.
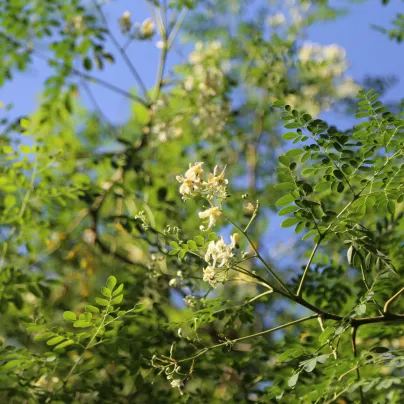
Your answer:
<point x="313" y="253"/>
<point x="258" y="334"/>
<point x="76" y="72"/>
<point x="353" y="338"/>
<point x="122" y="51"/>
<point x="258" y="255"/>
<point x="391" y="300"/>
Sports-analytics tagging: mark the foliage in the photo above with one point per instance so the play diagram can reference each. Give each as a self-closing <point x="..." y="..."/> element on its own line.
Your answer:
<point x="181" y="203"/>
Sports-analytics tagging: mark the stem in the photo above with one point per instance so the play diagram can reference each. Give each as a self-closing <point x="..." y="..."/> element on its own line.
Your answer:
<point x="121" y="50"/>
<point x="353" y="338"/>
<point x="258" y="334"/>
<point x="78" y="73"/>
<point x="73" y="368"/>
<point x="306" y="270"/>
<point x="258" y="255"/>
<point x="391" y="300"/>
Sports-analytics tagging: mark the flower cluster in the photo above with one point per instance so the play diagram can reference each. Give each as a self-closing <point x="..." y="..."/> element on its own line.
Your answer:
<point x="206" y="83"/>
<point x="321" y="72"/>
<point x="327" y="60"/>
<point x="193" y="184"/>
<point x="218" y="256"/>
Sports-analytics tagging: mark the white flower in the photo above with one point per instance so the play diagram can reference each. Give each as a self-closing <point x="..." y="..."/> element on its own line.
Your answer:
<point x="277" y="19"/>
<point x="209" y="276"/>
<point x="147" y="28"/>
<point x="216" y="184"/>
<point x="195" y="172"/>
<point x="177" y="383"/>
<point x="219" y="252"/>
<point x="235" y="240"/>
<point x="160" y="44"/>
<point x="172" y="283"/>
<point x="212" y="214"/>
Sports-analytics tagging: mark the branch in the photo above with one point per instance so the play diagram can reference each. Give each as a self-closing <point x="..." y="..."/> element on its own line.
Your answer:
<point x="391" y="300"/>
<point x="353" y="338"/>
<point x="258" y="255"/>
<point x="258" y="334"/>
<point x="122" y="51"/>
<point x="78" y="73"/>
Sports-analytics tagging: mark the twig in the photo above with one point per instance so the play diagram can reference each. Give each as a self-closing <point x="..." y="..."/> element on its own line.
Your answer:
<point x="122" y="51"/>
<point x="258" y="255"/>
<point x="391" y="300"/>
<point x="353" y="338"/>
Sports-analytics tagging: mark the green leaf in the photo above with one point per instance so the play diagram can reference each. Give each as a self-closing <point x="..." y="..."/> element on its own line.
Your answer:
<point x="69" y="316"/>
<point x="44" y="336"/>
<point x="174" y="245"/>
<point x="101" y="301"/>
<point x="25" y="149"/>
<point x="309" y="234"/>
<point x="181" y="254"/>
<point x="322" y="186"/>
<point x="325" y="335"/>
<point x="285" y="200"/>
<point x="87" y="63"/>
<point x="284" y="160"/>
<point x="118" y="290"/>
<point x="285" y="186"/>
<point x="106" y="292"/>
<point x="310" y="365"/>
<point x="199" y="240"/>
<point x="294" y="152"/>
<point x="292" y="125"/>
<point x="55" y="340"/>
<point x="25" y="123"/>
<point x="92" y="309"/>
<point x="391" y="207"/>
<point x="289" y="222"/>
<point x="289" y="135"/>
<point x="291" y="353"/>
<point x="212" y="236"/>
<point x="173" y="252"/>
<point x="111" y="282"/>
<point x="12" y="364"/>
<point x="82" y="324"/>
<point x="64" y="344"/>
<point x="287" y="210"/>
<point x="117" y="300"/>
<point x="192" y="245"/>
<point x="293" y="380"/>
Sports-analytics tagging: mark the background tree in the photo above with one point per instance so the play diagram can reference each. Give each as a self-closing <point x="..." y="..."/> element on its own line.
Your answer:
<point x="194" y="304"/>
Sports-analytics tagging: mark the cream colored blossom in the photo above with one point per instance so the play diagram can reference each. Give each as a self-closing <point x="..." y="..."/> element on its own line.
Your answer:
<point x="212" y="214"/>
<point x="147" y="28"/>
<point x="219" y="253"/>
<point x="209" y="276"/>
<point x="277" y="19"/>
<point x="195" y="172"/>
<point x="235" y="240"/>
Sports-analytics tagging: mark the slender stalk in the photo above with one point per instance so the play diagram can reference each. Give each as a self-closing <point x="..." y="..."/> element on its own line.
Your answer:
<point x="122" y="51"/>
<point x="76" y="72"/>
<point x="89" y="344"/>
<point x="356" y="196"/>
<point x="353" y="338"/>
<point x="258" y="334"/>
<point x="391" y="300"/>
<point x="258" y="256"/>
<point x="306" y="270"/>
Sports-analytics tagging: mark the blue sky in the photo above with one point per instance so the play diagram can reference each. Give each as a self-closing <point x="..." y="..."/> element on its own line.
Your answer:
<point x="368" y="52"/>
